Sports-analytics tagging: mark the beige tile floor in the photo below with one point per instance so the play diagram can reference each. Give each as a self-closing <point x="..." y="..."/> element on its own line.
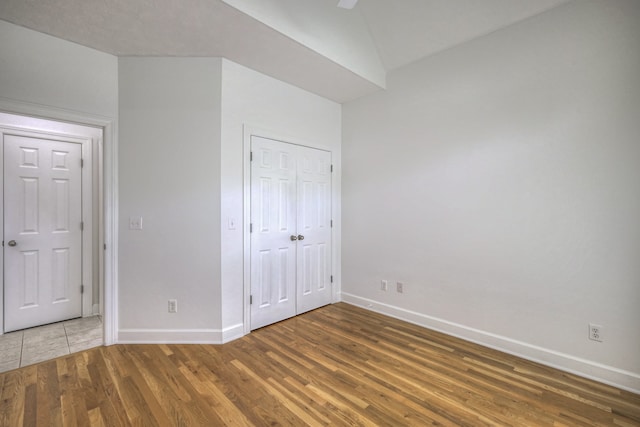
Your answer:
<point x="22" y="348"/>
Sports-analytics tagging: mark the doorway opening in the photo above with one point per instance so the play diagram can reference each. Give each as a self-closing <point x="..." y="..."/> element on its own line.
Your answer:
<point x="53" y="223"/>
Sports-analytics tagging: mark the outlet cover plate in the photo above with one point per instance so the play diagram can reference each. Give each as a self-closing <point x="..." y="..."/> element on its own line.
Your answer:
<point x="595" y="332"/>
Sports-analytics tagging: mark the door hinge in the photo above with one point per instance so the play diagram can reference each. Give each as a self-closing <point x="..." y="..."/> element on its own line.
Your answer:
<point x="250" y="299"/>
<point x="105" y="246"/>
<point x="82" y="226"/>
<point x="251" y="228"/>
<point x="331" y="168"/>
<point x="332" y="278"/>
<point x="81" y="163"/>
<point x="82" y="289"/>
<point x="251" y="156"/>
<point x="331" y="223"/>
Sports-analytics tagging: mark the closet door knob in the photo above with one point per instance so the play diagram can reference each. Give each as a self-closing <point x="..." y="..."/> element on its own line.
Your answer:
<point x="12" y="243"/>
<point x="300" y="237"/>
<point x="293" y="237"/>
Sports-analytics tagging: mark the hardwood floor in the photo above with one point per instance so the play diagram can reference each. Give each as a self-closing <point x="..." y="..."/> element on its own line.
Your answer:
<point x="338" y="365"/>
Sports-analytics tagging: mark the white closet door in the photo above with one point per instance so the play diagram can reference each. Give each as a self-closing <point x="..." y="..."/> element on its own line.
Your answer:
<point x="314" y="225"/>
<point x="42" y="231"/>
<point x="291" y="230"/>
<point x="273" y="218"/>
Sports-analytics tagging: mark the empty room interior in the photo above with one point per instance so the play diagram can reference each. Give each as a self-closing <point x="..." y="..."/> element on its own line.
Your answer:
<point x="320" y="212"/>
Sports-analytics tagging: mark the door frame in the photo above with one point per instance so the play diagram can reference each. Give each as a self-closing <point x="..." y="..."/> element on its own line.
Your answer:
<point x="107" y="183"/>
<point x="249" y="131"/>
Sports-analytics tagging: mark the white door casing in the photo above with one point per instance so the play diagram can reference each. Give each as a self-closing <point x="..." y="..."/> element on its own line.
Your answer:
<point x="42" y="231"/>
<point x="100" y="144"/>
<point x="290" y="254"/>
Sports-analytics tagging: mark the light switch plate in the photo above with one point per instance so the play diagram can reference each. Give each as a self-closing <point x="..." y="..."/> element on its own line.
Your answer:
<point x="135" y="223"/>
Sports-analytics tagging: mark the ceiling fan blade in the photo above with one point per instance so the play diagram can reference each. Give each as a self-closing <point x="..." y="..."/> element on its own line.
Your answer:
<point x="347" y="4"/>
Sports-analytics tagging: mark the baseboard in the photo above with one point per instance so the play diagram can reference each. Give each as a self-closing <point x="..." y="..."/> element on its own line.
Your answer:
<point x="605" y="374"/>
<point x="232" y="333"/>
<point x="179" y="336"/>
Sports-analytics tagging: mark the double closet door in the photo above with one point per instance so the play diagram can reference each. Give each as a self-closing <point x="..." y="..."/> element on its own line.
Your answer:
<point x="290" y="230"/>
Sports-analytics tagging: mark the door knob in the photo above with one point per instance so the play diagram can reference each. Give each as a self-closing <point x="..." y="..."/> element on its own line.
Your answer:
<point x="300" y="237"/>
<point x="293" y="237"/>
<point x="12" y="243"/>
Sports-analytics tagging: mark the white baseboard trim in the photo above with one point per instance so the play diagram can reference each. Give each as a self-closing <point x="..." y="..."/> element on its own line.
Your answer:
<point x="610" y="375"/>
<point x="232" y="333"/>
<point x="179" y="336"/>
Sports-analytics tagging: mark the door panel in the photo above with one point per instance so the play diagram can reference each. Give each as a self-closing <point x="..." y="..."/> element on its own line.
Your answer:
<point x="290" y="196"/>
<point x="43" y="212"/>
<point x="314" y="214"/>
<point x="273" y="217"/>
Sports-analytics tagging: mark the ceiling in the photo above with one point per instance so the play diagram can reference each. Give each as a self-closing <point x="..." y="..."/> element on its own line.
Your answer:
<point x="408" y="30"/>
<point x="403" y="31"/>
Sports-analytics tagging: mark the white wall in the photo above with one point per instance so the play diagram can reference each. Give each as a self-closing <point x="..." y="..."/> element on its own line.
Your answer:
<point x="170" y="175"/>
<point x="251" y="99"/>
<point x="40" y="69"/>
<point x="499" y="181"/>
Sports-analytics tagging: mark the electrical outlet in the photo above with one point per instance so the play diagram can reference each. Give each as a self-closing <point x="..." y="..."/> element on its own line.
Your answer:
<point x="173" y="306"/>
<point x="595" y="332"/>
<point x="400" y="287"/>
<point x="384" y="285"/>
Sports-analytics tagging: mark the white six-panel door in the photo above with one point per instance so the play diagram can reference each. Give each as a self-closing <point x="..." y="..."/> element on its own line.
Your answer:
<point x="42" y="234"/>
<point x="273" y="219"/>
<point x="314" y="224"/>
<point x="291" y="230"/>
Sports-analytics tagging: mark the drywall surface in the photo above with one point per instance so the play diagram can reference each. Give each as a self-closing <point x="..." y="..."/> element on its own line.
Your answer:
<point x="169" y="161"/>
<point x="338" y="34"/>
<point x="39" y="69"/>
<point x="499" y="181"/>
<point x="408" y="30"/>
<point x="251" y="100"/>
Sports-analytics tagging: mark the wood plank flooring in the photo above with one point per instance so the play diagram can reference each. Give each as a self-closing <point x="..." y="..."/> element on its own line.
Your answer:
<point x="338" y="365"/>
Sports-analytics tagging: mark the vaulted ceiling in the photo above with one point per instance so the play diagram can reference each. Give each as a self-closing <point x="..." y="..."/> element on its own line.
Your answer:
<point x="339" y="54"/>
